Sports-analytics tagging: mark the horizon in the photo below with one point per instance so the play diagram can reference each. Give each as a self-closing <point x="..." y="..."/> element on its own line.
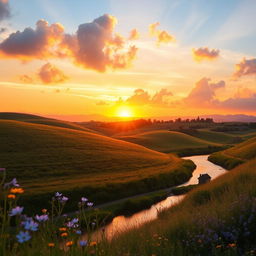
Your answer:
<point x="181" y="59"/>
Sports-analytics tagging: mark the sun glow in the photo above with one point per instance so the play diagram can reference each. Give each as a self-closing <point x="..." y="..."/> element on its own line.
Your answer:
<point x="124" y="111"/>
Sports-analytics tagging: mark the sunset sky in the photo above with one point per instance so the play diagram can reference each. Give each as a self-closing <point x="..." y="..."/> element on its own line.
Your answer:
<point x="128" y="58"/>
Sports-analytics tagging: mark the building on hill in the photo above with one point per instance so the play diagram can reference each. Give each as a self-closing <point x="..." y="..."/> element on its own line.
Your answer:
<point x="204" y="178"/>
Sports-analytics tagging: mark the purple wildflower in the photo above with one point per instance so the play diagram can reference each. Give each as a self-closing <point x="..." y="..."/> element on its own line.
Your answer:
<point x="57" y="194"/>
<point x="30" y="225"/>
<point x="16" y="211"/>
<point x="73" y="223"/>
<point x="42" y="218"/>
<point x="78" y="232"/>
<point x="2" y="169"/>
<point x="82" y="243"/>
<point x="12" y="183"/>
<point x="84" y="199"/>
<point x="89" y="204"/>
<point x="23" y="236"/>
<point x="63" y="199"/>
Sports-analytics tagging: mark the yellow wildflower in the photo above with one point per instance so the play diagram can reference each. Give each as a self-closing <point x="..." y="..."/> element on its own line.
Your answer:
<point x="44" y="210"/>
<point x="69" y="243"/>
<point x="93" y="243"/>
<point x="51" y="244"/>
<point x="11" y="196"/>
<point x="218" y="246"/>
<point x="232" y="245"/>
<point x="17" y="190"/>
<point x="62" y="229"/>
<point x="64" y="234"/>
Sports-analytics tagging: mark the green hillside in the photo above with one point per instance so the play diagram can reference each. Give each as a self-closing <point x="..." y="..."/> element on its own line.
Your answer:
<point x="41" y="120"/>
<point x="169" y="141"/>
<point x="46" y="159"/>
<point x="217" y="218"/>
<point x="236" y="155"/>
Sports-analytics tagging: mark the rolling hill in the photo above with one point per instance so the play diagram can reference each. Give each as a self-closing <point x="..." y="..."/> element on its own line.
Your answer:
<point x="28" y="118"/>
<point x="236" y="155"/>
<point x="48" y="158"/>
<point x="168" y="141"/>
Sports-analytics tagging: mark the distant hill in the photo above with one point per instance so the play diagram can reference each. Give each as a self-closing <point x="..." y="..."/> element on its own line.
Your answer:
<point x="168" y="141"/>
<point x="236" y="155"/>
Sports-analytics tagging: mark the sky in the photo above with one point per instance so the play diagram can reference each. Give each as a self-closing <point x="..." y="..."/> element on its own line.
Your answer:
<point x="128" y="58"/>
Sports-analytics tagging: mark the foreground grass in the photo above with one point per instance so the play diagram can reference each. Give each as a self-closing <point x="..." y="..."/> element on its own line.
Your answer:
<point x="218" y="218"/>
<point x="236" y="155"/>
<point x="46" y="159"/>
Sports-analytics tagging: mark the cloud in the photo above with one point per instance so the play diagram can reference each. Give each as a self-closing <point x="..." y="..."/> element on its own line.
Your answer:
<point x="134" y="34"/>
<point x="26" y="79"/>
<point x="161" y="35"/>
<point x="96" y="46"/>
<point x="142" y="97"/>
<point x="245" y="67"/>
<point x="101" y="103"/>
<point x="38" y="43"/>
<point x="93" y="46"/>
<point x="204" y="53"/>
<point x="4" y="9"/>
<point x="50" y="74"/>
<point x="203" y="93"/>
<point x="2" y="30"/>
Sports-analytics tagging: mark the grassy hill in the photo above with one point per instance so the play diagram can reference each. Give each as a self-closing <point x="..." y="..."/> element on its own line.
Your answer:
<point x="46" y="159"/>
<point x="214" y="219"/>
<point x="42" y="120"/>
<point x="170" y="141"/>
<point x="236" y="155"/>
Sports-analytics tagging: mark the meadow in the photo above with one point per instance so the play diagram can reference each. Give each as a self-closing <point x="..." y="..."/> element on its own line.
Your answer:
<point x="236" y="155"/>
<point x="48" y="158"/>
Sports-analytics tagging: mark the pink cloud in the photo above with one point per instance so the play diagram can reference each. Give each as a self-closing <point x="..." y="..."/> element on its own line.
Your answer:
<point x="245" y="67"/>
<point x="204" y="53"/>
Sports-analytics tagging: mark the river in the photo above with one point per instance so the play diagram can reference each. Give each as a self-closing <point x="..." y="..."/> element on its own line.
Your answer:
<point x="122" y="223"/>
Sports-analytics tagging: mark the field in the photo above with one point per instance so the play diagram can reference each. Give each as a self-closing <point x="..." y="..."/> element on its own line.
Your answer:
<point x="47" y="158"/>
<point x="236" y="155"/>
<point x="171" y="141"/>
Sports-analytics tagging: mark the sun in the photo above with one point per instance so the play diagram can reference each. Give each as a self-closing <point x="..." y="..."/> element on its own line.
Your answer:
<point x="124" y="111"/>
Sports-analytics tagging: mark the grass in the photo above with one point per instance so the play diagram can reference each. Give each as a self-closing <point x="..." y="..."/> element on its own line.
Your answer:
<point x="46" y="159"/>
<point x="217" y="218"/>
<point x="42" y="120"/>
<point x="170" y="141"/>
<point x="236" y="155"/>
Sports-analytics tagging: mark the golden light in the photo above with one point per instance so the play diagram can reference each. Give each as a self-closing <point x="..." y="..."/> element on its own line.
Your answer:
<point x="124" y="111"/>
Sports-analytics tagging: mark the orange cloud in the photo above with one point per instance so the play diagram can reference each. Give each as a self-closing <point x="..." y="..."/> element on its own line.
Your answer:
<point x="204" y="53"/>
<point x="4" y="9"/>
<point x="142" y="97"/>
<point x="161" y="35"/>
<point x="134" y="34"/>
<point x="245" y="67"/>
<point x="26" y="79"/>
<point x="203" y="93"/>
<point x="31" y="43"/>
<point x="50" y="74"/>
<point x="94" y="46"/>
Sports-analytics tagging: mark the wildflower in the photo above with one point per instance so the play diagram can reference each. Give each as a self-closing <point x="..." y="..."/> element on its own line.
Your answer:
<point x="84" y="199"/>
<point x="78" y="232"/>
<point x="82" y="243"/>
<point x="12" y="183"/>
<point x="218" y="246"/>
<point x="232" y="245"/>
<point x="17" y="190"/>
<point x="62" y="229"/>
<point x="16" y="211"/>
<point x="57" y="194"/>
<point x="51" y="244"/>
<point x="42" y="218"/>
<point x="64" y="234"/>
<point x="69" y="243"/>
<point x="63" y="199"/>
<point x="93" y="243"/>
<point x="72" y="223"/>
<point x="29" y="224"/>
<point x="44" y="210"/>
<point x="89" y="204"/>
<point x="11" y="196"/>
<point x="23" y="236"/>
<point x="2" y="169"/>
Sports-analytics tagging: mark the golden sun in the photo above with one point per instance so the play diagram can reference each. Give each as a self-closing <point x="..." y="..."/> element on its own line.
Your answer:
<point x="124" y="111"/>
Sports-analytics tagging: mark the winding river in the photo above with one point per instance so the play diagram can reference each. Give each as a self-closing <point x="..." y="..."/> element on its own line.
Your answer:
<point x="122" y="223"/>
